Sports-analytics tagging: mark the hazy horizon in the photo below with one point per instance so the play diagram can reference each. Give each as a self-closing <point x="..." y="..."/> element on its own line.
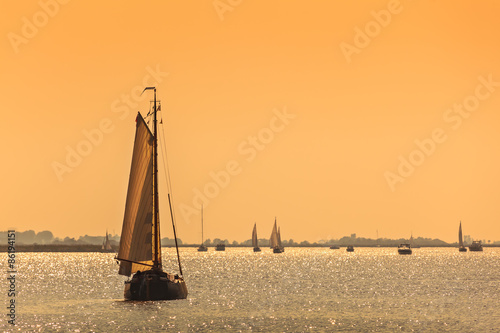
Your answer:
<point x="115" y="234"/>
<point x="337" y="118"/>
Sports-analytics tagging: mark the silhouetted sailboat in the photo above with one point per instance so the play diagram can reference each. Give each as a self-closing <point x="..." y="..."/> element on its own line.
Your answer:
<point x="106" y="245"/>
<point x="202" y="247"/>
<point x="461" y="246"/>
<point x="275" y="241"/>
<point x="140" y="248"/>
<point x="255" y="241"/>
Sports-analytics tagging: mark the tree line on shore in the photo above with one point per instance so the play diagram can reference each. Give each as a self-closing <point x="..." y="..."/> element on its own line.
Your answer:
<point x="46" y="237"/>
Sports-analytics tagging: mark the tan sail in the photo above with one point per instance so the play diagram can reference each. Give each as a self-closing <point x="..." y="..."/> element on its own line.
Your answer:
<point x="106" y="245"/>
<point x="136" y="248"/>
<point x="279" y="238"/>
<point x="273" y="242"/>
<point x="255" y="241"/>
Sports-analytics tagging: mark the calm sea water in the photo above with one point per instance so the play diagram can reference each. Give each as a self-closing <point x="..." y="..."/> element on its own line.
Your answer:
<point x="301" y="290"/>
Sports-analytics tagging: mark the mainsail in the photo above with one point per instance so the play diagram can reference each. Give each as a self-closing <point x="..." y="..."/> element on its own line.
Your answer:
<point x="136" y="246"/>
<point x="460" y="238"/>
<point x="255" y="241"/>
<point x="273" y="241"/>
<point x="279" y="238"/>
<point x="106" y="245"/>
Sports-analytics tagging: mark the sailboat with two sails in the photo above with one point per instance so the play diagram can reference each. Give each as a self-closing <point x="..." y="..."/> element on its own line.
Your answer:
<point x="140" y="248"/>
<point x="106" y="245"/>
<point x="275" y="240"/>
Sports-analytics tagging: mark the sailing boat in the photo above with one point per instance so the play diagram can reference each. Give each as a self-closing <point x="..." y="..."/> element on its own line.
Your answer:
<point x="274" y="241"/>
<point x="140" y="249"/>
<point x="461" y="246"/>
<point x="202" y="247"/>
<point x="106" y="245"/>
<point x="255" y="241"/>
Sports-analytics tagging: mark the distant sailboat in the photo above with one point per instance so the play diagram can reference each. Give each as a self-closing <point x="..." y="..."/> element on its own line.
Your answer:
<point x="274" y="241"/>
<point x="202" y="247"/>
<point x="461" y="246"/>
<point x="255" y="241"/>
<point x="140" y="248"/>
<point x="106" y="245"/>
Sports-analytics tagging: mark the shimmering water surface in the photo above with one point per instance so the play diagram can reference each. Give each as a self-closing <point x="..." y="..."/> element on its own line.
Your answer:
<point x="301" y="290"/>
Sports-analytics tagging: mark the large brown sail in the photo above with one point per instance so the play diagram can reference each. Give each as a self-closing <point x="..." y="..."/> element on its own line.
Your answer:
<point x="136" y="248"/>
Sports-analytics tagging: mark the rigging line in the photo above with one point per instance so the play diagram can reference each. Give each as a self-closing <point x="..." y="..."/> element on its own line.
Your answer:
<point x="166" y="168"/>
<point x="165" y="165"/>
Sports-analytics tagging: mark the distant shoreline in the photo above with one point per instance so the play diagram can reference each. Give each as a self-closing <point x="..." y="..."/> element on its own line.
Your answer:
<point x="98" y="248"/>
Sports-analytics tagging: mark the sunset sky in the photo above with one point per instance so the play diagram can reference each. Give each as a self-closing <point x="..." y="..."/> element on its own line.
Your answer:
<point x="337" y="117"/>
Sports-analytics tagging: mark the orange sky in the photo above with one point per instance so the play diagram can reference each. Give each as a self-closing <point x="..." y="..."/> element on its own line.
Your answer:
<point x="360" y="82"/>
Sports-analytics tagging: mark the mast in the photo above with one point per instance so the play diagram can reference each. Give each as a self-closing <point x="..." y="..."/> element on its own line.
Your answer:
<point x="156" y="217"/>
<point x="202" y="225"/>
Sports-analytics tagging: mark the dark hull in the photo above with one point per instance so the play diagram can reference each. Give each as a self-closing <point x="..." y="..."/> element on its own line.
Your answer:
<point x="350" y="249"/>
<point x="462" y="249"/>
<point x="202" y="249"/>
<point x="256" y="249"/>
<point x="277" y="250"/>
<point x="404" y="251"/>
<point x="220" y="247"/>
<point x="154" y="285"/>
<point x="476" y="246"/>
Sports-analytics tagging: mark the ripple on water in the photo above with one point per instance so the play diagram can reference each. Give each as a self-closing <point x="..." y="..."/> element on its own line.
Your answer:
<point x="303" y="289"/>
